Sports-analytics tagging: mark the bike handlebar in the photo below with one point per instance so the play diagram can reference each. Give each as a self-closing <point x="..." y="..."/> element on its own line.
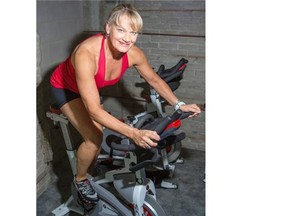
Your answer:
<point x="173" y="75"/>
<point x="167" y="74"/>
<point x="159" y="127"/>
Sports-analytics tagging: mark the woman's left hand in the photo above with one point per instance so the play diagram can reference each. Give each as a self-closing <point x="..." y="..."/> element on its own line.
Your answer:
<point x="191" y="108"/>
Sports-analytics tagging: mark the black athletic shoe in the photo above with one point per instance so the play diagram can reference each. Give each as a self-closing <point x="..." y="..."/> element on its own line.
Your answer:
<point x="85" y="190"/>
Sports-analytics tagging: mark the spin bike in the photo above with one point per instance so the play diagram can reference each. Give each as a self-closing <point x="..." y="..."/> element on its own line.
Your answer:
<point x="125" y="191"/>
<point x="154" y="108"/>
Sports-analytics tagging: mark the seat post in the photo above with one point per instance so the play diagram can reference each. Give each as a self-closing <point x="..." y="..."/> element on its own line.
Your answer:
<point x="70" y="150"/>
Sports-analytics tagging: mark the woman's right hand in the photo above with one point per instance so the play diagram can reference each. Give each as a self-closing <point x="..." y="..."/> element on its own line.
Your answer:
<point x="145" y="138"/>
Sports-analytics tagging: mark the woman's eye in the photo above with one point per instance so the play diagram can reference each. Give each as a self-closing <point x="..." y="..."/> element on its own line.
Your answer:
<point x="120" y="30"/>
<point x="133" y="33"/>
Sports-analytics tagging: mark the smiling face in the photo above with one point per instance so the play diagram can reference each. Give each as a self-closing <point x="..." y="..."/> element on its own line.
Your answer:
<point x="121" y="35"/>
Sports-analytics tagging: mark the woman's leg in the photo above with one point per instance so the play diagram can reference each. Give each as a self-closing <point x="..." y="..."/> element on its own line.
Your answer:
<point x="91" y="132"/>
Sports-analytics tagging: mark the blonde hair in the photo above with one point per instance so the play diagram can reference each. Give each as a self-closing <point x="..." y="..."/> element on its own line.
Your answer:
<point x="125" y="9"/>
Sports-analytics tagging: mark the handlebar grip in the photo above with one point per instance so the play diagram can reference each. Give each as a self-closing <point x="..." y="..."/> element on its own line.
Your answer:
<point x="186" y="115"/>
<point x="171" y="140"/>
<point x="167" y="120"/>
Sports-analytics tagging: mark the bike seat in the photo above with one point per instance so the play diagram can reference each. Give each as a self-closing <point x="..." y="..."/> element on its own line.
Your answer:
<point x="55" y="109"/>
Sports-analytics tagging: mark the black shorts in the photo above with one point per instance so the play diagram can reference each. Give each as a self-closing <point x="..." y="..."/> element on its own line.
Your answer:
<point x="63" y="96"/>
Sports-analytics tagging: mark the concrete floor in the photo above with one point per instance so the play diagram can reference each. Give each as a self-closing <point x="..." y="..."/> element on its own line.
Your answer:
<point x="187" y="200"/>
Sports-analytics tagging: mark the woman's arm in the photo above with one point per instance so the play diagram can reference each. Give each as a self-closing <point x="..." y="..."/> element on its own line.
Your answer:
<point x="85" y="67"/>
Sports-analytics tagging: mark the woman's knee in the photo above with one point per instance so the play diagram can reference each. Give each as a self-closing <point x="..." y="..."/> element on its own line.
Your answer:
<point x="94" y="139"/>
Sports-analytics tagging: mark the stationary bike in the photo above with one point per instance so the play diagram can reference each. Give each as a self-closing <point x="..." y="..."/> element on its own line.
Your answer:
<point x="154" y="108"/>
<point x="125" y="191"/>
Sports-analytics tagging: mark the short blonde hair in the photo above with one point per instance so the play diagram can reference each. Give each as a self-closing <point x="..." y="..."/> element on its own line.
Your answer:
<point x="130" y="11"/>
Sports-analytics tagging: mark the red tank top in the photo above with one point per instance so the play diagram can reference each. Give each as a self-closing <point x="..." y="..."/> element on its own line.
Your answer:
<point x="64" y="75"/>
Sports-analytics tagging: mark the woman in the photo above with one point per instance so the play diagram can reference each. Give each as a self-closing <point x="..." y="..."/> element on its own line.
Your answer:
<point x="99" y="61"/>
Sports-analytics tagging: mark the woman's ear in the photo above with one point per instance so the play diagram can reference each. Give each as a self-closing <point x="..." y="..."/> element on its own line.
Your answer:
<point x="107" y="28"/>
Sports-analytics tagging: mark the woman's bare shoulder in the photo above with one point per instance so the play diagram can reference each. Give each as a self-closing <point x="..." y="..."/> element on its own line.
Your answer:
<point x="136" y="55"/>
<point x="91" y="45"/>
<point x="89" y="49"/>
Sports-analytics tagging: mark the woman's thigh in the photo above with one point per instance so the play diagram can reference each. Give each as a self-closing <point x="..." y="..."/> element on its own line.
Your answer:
<point x="78" y="116"/>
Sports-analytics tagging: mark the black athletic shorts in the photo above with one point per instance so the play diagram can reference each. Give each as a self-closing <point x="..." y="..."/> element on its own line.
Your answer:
<point x="63" y="96"/>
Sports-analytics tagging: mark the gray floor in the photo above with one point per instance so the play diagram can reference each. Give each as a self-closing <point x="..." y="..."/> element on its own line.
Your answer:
<point x="187" y="200"/>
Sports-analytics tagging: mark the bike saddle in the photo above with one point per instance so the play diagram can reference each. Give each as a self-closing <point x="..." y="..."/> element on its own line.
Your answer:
<point x="55" y="109"/>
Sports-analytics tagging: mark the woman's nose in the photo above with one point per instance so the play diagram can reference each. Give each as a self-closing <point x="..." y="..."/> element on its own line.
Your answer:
<point x="127" y="37"/>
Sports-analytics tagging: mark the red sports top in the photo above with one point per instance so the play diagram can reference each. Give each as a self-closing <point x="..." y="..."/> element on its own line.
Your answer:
<point x="64" y="75"/>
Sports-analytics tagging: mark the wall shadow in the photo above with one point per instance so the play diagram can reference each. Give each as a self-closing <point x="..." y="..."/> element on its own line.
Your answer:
<point x="59" y="163"/>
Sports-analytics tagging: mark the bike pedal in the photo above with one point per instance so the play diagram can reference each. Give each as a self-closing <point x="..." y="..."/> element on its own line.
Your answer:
<point x="107" y="161"/>
<point x="87" y="205"/>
